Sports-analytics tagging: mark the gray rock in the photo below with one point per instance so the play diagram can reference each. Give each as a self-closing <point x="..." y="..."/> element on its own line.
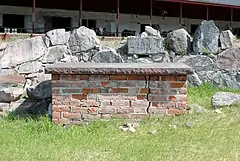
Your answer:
<point x="3" y="45"/>
<point x="4" y="107"/>
<point x="23" y="51"/>
<point x="107" y="56"/>
<point x="39" y="108"/>
<point x="11" y="76"/>
<point x="152" y="32"/>
<point x="70" y="59"/>
<point x="144" y="34"/>
<point x="229" y="60"/>
<point x="221" y="99"/>
<point x="162" y="57"/>
<point x="82" y="40"/>
<point x="179" y="41"/>
<point x="197" y="62"/>
<point x="193" y="80"/>
<point x="58" y="36"/>
<point x="29" y="67"/>
<point x="206" y="38"/>
<point x="220" y="79"/>
<point x="46" y="41"/>
<point x="227" y="39"/>
<point x="55" y="54"/>
<point x="10" y="94"/>
<point x="143" y="60"/>
<point x="145" y="46"/>
<point x="21" y="106"/>
<point x="172" y="56"/>
<point x="41" y="91"/>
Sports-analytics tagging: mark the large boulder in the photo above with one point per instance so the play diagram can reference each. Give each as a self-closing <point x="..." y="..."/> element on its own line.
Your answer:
<point x="29" y="67"/>
<point x="9" y="93"/>
<point x="41" y="91"/>
<point x="197" y="62"/>
<point x="23" y="51"/>
<point x="145" y="46"/>
<point x="221" y="99"/>
<point x="194" y="80"/>
<point x="227" y="39"/>
<point x="229" y="60"/>
<point x="206" y="38"/>
<point x="107" y="56"/>
<point x="83" y="39"/>
<point x="152" y="32"/>
<point x="179" y="41"/>
<point x="55" y="54"/>
<point x="58" y="36"/>
<point x="11" y="76"/>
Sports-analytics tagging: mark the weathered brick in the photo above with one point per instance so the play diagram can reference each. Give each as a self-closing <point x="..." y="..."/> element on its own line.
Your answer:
<point x="83" y="77"/>
<point x="136" y="77"/>
<point x="126" y="83"/>
<point x="79" y="96"/>
<point x="60" y="84"/>
<point x="121" y="115"/>
<point x="80" y="110"/>
<point x="163" y="104"/>
<point x="114" y="96"/>
<point x="64" y="121"/>
<point x="61" y="108"/>
<point x="157" y="98"/>
<point x="120" y="103"/>
<point x="177" y="85"/>
<point x="156" y="110"/>
<point x="56" y="115"/>
<point x="139" y="104"/>
<point x="140" y="110"/>
<point x="90" y="90"/>
<point x="183" y="91"/>
<point x="158" y="84"/>
<point x="172" y="98"/>
<point x="181" y="98"/>
<point x="80" y="84"/>
<point x="142" y="84"/>
<point x="104" y="103"/>
<point x="118" y="77"/>
<point x="75" y="102"/>
<point x="71" y="91"/>
<point x="106" y="90"/>
<point x="120" y="90"/>
<point x="141" y="97"/>
<point x="159" y="91"/>
<point x="104" y="84"/>
<point x="106" y="116"/>
<point x="169" y="78"/>
<point x="124" y="110"/>
<point x="173" y="111"/>
<point x="55" y="76"/>
<point x="91" y="116"/>
<point x="144" y="90"/>
<point x="70" y="77"/>
<point x="98" y="77"/>
<point x="182" y="78"/>
<point x="181" y="105"/>
<point x="55" y="91"/>
<point x="71" y="115"/>
<point x="90" y="103"/>
<point x="107" y="110"/>
<point x="154" y="78"/>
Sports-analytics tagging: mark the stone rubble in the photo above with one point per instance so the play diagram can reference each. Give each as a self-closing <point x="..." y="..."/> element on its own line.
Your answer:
<point x="214" y="58"/>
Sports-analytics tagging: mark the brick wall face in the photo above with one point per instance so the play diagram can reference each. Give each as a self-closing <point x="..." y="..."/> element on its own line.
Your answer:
<point x="78" y="98"/>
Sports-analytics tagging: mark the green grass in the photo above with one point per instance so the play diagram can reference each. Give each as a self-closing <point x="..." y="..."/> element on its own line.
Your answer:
<point x="213" y="137"/>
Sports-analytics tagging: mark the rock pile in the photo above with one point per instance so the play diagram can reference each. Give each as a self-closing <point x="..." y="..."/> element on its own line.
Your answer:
<point x="214" y="57"/>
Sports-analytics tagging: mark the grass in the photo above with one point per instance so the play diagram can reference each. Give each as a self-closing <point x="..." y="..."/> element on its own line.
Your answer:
<point x="212" y="137"/>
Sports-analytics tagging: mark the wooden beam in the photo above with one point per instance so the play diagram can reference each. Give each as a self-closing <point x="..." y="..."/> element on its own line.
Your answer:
<point x="207" y="14"/>
<point x="181" y="15"/>
<point x="80" y="12"/>
<point x="151" y="12"/>
<point x="117" y="18"/>
<point x="231" y="19"/>
<point x="33" y="16"/>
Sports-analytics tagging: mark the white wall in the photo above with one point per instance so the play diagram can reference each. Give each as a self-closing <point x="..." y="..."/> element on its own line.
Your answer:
<point x="107" y="20"/>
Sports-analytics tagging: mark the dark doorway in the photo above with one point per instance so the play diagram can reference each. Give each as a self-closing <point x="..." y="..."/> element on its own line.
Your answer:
<point x="142" y="27"/>
<point x="193" y="29"/>
<point x="13" y="22"/>
<point x="61" y="22"/>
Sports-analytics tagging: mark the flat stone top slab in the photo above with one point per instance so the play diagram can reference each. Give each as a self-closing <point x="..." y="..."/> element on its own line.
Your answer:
<point x="120" y="68"/>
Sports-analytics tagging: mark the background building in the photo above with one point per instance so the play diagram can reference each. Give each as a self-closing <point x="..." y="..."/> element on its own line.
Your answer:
<point x="115" y="16"/>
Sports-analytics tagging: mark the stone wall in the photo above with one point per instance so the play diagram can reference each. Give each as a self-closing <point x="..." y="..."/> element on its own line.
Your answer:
<point x="214" y="57"/>
<point x="130" y="91"/>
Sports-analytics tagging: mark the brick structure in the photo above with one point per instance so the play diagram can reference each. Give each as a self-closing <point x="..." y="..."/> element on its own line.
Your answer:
<point x="83" y="92"/>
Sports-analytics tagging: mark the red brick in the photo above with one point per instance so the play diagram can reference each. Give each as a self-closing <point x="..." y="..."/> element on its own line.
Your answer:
<point x="164" y="104"/>
<point x="105" y="103"/>
<point x="154" y="78"/>
<point x="82" y="84"/>
<point x="139" y="104"/>
<point x="80" y="110"/>
<point x="144" y="90"/>
<point x="128" y="83"/>
<point x="120" y="103"/>
<point x="183" y="91"/>
<point x="84" y="77"/>
<point x="92" y="110"/>
<point x="173" y="111"/>
<point x="136" y="77"/>
<point x="91" y="90"/>
<point x="64" y="121"/>
<point x="140" y="110"/>
<point x="70" y="77"/>
<point x="141" y="97"/>
<point x="120" y="90"/>
<point x="79" y="96"/>
<point x="61" y="108"/>
<point x="91" y="116"/>
<point x="56" y="115"/>
<point x="172" y="98"/>
<point x="75" y="102"/>
<point x="169" y="78"/>
<point x="159" y="91"/>
<point x="177" y="85"/>
<point x="118" y="77"/>
<point x="104" y="84"/>
<point x="90" y="103"/>
<point x="55" y="77"/>
<point x="60" y="84"/>
<point x="71" y="115"/>
<point x="70" y="91"/>
<point x="124" y="110"/>
<point x="158" y="84"/>
<point x="157" y="98"/>
<point x="98" y="77"/>
<point x="107" y="110"/>
<point x="157" y="110"/>
<point x="55" y="91"/>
